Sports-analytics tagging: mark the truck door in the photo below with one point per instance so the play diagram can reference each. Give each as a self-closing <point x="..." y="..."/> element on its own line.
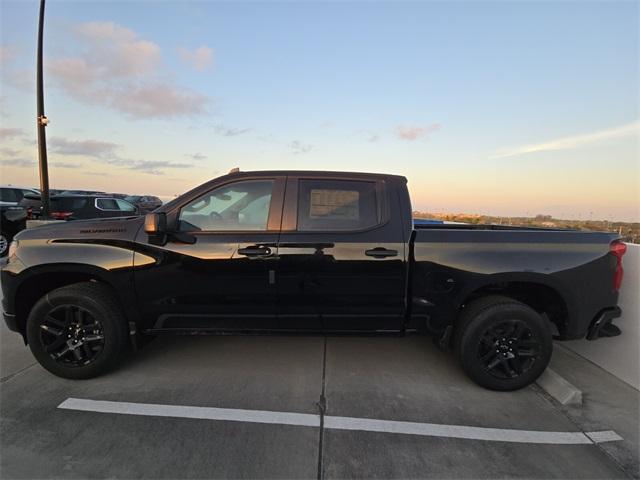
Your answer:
<point x="225" y="280"/>
<point x="342" y="259"/>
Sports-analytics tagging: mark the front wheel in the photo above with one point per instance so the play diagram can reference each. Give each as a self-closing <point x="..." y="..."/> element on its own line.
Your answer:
<point x="503" y="344"/>
<point x="77" y="331"/>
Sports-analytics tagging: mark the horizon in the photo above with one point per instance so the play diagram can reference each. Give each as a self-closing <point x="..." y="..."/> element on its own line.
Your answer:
<point x="478" y="106"/>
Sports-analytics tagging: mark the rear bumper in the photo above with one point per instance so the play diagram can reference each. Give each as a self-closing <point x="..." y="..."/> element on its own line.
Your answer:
<point x="601" y="320"/>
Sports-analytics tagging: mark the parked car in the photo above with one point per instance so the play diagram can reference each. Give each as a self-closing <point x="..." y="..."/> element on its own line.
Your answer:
<point x="146" y="203"/>
<point x="12" y="220"/>
<point x="11" y="195"/>
<point x="286" y="251"/>
<point x="83" y="192"/>
<point x="75" y="207"/>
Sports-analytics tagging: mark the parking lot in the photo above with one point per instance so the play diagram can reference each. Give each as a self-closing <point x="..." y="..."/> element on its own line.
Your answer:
<point x="251" y="389"/>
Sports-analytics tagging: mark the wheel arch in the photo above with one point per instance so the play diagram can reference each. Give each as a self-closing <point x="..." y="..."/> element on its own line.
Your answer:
<point x="537" y="291"/>
<point x="40" y="280"/>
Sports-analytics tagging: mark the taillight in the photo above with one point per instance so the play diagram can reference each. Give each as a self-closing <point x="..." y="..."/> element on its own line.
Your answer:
<point x="61" y="215"/>
<point x="618" y="249"/>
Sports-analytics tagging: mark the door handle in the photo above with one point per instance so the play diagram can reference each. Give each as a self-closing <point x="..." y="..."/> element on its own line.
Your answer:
<point x="381" y="252"/>
<point x="255" y="251"/>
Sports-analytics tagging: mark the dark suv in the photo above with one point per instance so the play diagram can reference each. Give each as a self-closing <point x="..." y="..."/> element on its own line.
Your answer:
<point x="12" y="221"/>
<point x="146" y="203"/>
<point x="75" y="207"/>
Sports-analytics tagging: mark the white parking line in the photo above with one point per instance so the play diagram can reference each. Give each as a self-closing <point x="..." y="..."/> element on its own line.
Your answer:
<point x="205" y="413"/>
<point x="341" y="423"/>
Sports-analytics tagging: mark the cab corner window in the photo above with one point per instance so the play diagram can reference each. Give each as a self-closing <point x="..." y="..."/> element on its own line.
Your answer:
<point x="237" y="206"/>
<point x="337" y="205"/>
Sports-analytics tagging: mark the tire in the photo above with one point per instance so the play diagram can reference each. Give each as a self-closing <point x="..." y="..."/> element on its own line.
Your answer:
<point x="4" y="245"/>
<point x="77" y="331"/>
<point x="502" y="344"/>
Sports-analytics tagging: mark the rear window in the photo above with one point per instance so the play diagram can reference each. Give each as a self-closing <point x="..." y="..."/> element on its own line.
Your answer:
<point x="68" y="204"/>
<point x="338" y="205"/>
<point x="107" y="204"/>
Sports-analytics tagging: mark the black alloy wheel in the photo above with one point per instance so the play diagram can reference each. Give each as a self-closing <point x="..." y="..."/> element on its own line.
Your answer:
<point x="78" y="331"/>
<point x="71" y="335"/>
<point x="508" y="349"/>
<point x="502" y="343"/>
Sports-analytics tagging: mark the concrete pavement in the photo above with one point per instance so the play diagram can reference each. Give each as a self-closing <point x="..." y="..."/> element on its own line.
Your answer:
<point x="391" y="378"/>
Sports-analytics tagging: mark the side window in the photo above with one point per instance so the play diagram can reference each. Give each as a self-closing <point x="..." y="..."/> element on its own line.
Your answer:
<point x="8" y="195"/>
<point x="125" y="206"/>
<point x="337" y="205"/>
<point x="237" y="206"/>
<point x="107" y="204"/>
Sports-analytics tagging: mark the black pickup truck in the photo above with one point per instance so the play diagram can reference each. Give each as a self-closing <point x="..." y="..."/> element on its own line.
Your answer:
<point x="315" y="252"/>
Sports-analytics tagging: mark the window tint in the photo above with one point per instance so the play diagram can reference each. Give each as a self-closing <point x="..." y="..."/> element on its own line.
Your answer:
<point x="336" y="205"/>
<point x="125" y="206"/>
<point x="8" y="195"/>
<point x="62" y="204"/>
<point x="238" y="206"/>
<point x="107" y="204"/>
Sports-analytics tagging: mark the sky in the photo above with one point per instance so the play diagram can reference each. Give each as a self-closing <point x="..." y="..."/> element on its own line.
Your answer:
<point x="506" y="108"/>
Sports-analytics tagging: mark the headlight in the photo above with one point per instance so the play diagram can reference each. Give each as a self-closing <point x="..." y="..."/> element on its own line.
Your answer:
<point x="13" y="246"/>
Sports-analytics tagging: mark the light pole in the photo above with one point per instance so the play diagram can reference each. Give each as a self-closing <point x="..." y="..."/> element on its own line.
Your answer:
<point x="42" y="122"/>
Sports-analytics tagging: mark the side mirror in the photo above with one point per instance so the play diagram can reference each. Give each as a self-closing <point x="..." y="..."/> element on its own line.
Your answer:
<point x="155" y="223"/>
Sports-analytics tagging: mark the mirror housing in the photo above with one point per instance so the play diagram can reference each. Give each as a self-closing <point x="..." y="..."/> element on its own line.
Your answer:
<point x="155" y="223"/>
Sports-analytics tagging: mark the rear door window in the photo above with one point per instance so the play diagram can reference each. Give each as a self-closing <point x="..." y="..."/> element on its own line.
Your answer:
<point x="62" y="204"/>
<point x="337" y="205"/>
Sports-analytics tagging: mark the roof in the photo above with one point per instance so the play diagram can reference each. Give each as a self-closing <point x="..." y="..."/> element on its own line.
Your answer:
<point x="4" y="185"/>
<point x="325" y="173"/>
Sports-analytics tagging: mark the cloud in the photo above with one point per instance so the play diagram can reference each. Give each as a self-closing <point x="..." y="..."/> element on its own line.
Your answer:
<point x="230" y="132"/>
<point x="154" y="166"/>
<point x="7" y="53"/>
<point x="9" y="133"/>
<point x="64" y="165"/>
<point x="23" y="79"/>
<point x="9" y="152"/>
<point x="107" y="153"/>
<point x="574" y="141"/>
<point x="159" y="101"/>
<point x="412" y="133"/>
<point x="18" y="162"/>
<point x="369" y="136"/>
<point x="299" y="147"/>
<point x="196" y="156"/>
<point x="120" y="52"/>
<point x="121" y="71"/>
<point x="200" y="59"/>
<point x="88" y="148"/>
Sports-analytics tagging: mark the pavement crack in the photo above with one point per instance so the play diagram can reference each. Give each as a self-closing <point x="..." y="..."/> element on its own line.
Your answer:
<point x="15" y="374"/>
<point x="322" y="408"/>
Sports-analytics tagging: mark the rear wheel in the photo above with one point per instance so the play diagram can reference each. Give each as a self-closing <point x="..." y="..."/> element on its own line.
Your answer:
<point x="77" y="331"/>
<point x="503" y="344"/>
